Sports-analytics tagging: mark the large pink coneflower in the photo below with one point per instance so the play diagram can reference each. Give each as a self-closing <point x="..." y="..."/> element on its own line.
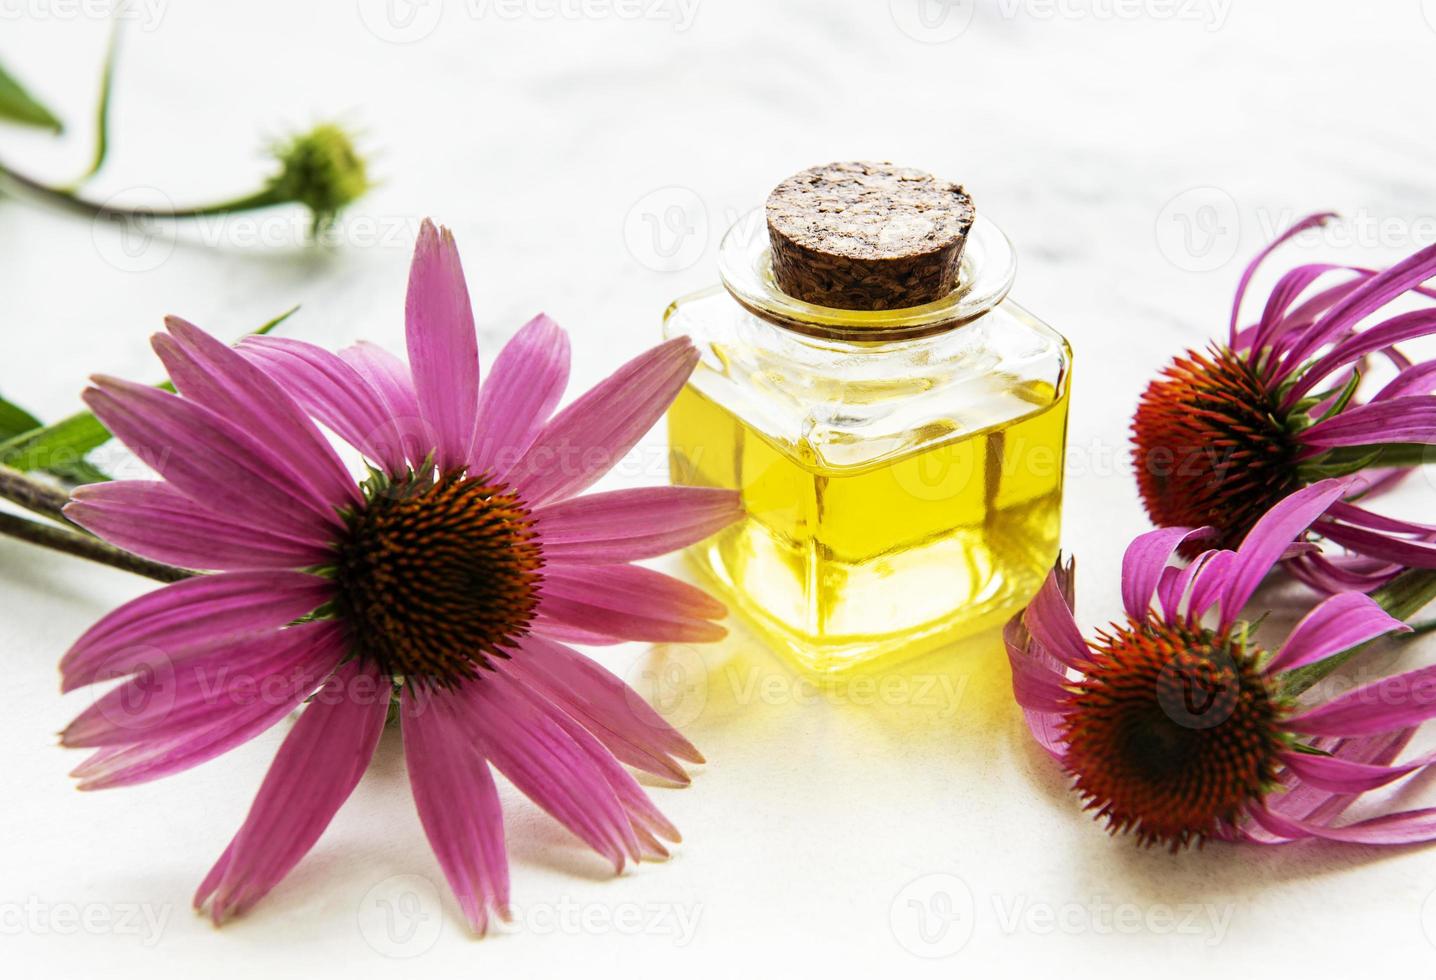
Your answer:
<point x="1224" y="434"/>
<point x="447" y="582"/>
<point x="1177" y="729"/>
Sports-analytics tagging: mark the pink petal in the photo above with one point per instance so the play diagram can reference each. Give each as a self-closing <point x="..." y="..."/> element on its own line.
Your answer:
<point x="226" y="677"/>
<point x="1408" y="419"/>
<point x="1026" y="657"/>
<point x="1385" y="705"/>
<point x="588" y="438"/>
<point x="158" y="627"/>
<point x="1305" y="802"/>
<point x="524" y="386"/>
<point x="615" y="713"/>
<point x="457" y="803"/>
<point x="1419" y="379"/>
<point x="629" y="525"/>
<point x="334" y="392"/>
<point x="1412" y="554"/>
<point x="210" y="460"/>
<point x="1266" y="542"/>
<point x="1310" y="221"/>
<point x="1338" y="624"/>
<point x="393" y="384"/>
<point x="321" y="761"/>
<point x="214" y="375"/>
<point x="1050" y="620"/>
<point x="1345" y="776"/>
<point x="1398" y="329"/>
<point x="443" y="348"/>
<point x="628" y="603"/>
<point x="153" y="519"/>
<point x="1405" y="827"/>
<point x="547" y="766"/>
<point x="1143" y="563"/>
<point x="139" y="762"/>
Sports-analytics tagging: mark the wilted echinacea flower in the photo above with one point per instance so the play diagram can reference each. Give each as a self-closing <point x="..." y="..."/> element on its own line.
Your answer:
<point x="1222" y="436"/>
<point x="1178" y="731"/>
<point x="451" y="578"/>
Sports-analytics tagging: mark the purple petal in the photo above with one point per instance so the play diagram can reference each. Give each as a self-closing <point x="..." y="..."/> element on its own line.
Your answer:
<point x="1310" y="221"/>
<point x="1406" y="326"/>
<point x="216" y="376"/>
<point x="393" y="384"/>
<point x="627" y="602"/>
<point x="1405" y="827"/>
<point x="629" y="525"/>
<point x="1338" y="624"/>
<point x="1345" y="776"/>
<point x="321" y="761"/>
<point x="457" y="802"/>
<point x="588" y="438"/>
<point x="211" y="461"/>
<point x="1266" y="542"/>
<point x="1419" y="379"/>
<point x="523" y="388"/>
<point x="1143" y="563"/>
<point x="1412" y="554"/>
<point x="1050" y="620"/>
<point x="153" y="519"/>
<point x="1408" y="419"/>
<point x="1028" y="659"/>
<point x="334" y="392"/>
<point x="443" y="348"/>
<point x="1386" y="705"/>
<point x="158" y="627"/>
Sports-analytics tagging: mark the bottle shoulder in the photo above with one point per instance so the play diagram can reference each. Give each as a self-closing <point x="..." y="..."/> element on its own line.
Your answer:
<point x="844" y="405"/>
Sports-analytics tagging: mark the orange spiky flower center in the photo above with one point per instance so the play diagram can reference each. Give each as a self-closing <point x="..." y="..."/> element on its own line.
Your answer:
<point x="437" y="576"/>
<point x="1212" y="445"/>
<point x="1171" y="732"/>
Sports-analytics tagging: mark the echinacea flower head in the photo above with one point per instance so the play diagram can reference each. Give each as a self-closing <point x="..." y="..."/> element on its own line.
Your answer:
<point x="321" y="169"/>
<point x="1224" y="434"/>
<point x="447" y="583"/>
<point x="1177" y="726"/>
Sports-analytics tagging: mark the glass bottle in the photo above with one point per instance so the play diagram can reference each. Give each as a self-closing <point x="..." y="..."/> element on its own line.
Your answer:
<point x="901" y="469"/>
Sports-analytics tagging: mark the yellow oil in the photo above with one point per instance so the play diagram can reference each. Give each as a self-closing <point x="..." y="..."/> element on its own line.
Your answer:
<point x="840" y="567"/>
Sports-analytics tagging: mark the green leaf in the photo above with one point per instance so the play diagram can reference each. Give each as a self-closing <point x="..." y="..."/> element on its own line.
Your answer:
<point x="60" y="448"/>
<point x="18" y="105"/>
<point x="15" y="420"/>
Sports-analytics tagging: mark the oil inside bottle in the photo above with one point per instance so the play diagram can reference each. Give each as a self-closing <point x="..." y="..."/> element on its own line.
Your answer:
<point x="841" y="565"/>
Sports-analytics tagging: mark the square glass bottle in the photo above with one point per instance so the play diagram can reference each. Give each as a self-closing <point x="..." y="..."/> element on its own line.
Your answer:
<point x="901" y="468"/>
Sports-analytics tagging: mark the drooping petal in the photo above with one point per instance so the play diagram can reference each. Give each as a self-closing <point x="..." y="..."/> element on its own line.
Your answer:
<point x="1406" y="326"/>
<point x="548" y="767"/>
<point x="1306" y="802"/>
<point x="1026" y="657"/>
<point x="1310" y="221"/>
<point x="1269" y="539"/>
<point x="1338" y="624"/>
<point x="630" y="525"/>
<point x="226" y="677"/>
<point x="1345" y="776"/>
<point x="213" y="374"/>
<point x="457" y="802"/>
<point x="210" y="460"/>
<point x="443" y="347"/>
<point x="160" y="626"/>
<point x="1050" y="620"/>
<point x="629" y="603"/>
<point x="1405" y="827"/>
<point x="152" y="519"/>
<point x="523" y="387"/>
<point x="1143" y="563"/>
<point x="321" y="761"/>
<point x="1411" y="418"/>
<point x="1382" y="706"/>
<point x="615" y="713"/>
<point x="590" y="436"/>
<point x="336" y="393"/>
<point x="139" y="762"/>
<point x="1400" y="551"/>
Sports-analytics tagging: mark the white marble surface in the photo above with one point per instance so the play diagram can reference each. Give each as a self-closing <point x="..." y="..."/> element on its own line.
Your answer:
<point x="554" y="137"/>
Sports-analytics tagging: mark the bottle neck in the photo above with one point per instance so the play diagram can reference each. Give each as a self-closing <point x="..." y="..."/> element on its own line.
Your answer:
<point x="989" y="266"/>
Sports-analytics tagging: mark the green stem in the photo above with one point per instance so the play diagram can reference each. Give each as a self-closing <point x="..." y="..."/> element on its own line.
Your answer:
<point x="71" y="200"/>
<point x="31" y="494"/>
<point x="1402" y="597"/>
<point x="84" y="546"/>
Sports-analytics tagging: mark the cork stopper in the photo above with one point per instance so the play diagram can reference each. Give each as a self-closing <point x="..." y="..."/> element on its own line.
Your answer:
<point x="867" y="236"/>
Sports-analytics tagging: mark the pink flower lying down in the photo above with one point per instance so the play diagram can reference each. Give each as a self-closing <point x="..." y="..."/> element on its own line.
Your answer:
<point x="450" y="580"/>
<point x="1177" y="731"/>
